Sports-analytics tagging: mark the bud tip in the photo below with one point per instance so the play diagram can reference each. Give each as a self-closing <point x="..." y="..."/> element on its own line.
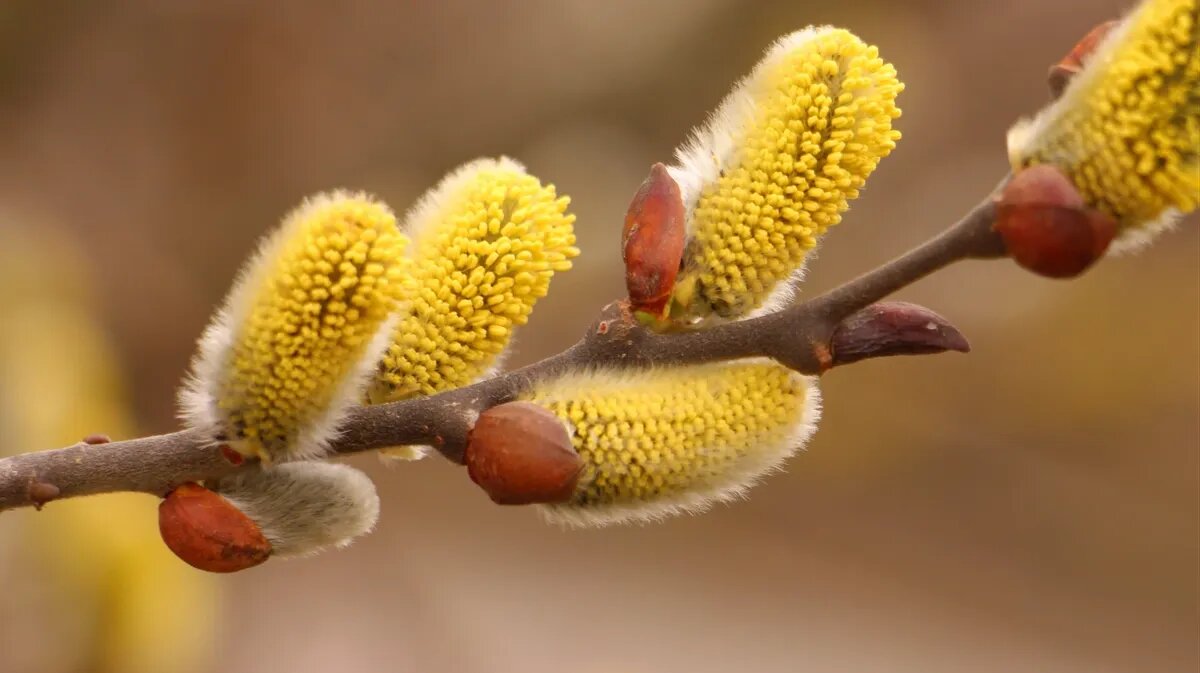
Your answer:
<point x="652" y="241"/>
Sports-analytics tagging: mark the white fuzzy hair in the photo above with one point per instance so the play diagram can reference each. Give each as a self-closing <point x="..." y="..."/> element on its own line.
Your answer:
<point x="197" y="399"/>
<point x="715" y="146"/>
<point x="1026" y="132"/>
<point x="305" y="507"/>
<point x="732" y="485"/>
<point x="1024" y="135"/>
<point x="1133" y="239"/>
<point x="422" y="218"/>
<point x="424" y="214"/>
<point x="315" y="438"/>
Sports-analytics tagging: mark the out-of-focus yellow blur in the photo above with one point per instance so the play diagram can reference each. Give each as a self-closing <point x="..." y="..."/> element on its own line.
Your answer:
<point x="1030" y="506"/>
<point x="88" y="584"/>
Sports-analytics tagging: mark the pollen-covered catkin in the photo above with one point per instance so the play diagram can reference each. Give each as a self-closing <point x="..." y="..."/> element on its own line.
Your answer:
<point x="656" y="442"/>
<point x="776" y="165"/>
<point x="298" y="337"/>
<point x="305" y="507"/>
<point x="1126" y="130"/>
<point x="486" y="242"/>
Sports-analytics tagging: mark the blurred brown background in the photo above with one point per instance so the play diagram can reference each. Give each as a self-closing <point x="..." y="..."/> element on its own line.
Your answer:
<point x="1031" y="506"/>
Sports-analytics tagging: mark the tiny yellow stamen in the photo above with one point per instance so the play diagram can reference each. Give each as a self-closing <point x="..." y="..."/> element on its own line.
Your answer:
<point x="285" y="357"/>
<point x="777" y="166"/>
<point x="1126" y="130"/>
<point x="487" y="241"/>
<point x="655" y="442"/>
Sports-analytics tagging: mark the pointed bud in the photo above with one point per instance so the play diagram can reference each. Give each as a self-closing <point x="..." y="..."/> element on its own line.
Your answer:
<point x="893" y="328"/>
<point x="520" y="453"/>
<point x="208" y="532"/>
<point x="652" y="241"/>
<point x="1061" y="73"/>
<point x="1046" y="226"/>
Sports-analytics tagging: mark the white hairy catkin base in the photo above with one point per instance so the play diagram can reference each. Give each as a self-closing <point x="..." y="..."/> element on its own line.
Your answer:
<point x="305" y="507"/>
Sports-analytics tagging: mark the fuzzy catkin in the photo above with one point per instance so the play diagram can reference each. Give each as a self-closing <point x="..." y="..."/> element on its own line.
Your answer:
<point x="486" y="243"/>
<point x="1126" y="130"/>
<point x="293" y="346"/>
<point x="305" y="507"/>
<point x="657" y="442"/>
<point x="776" y="165"/>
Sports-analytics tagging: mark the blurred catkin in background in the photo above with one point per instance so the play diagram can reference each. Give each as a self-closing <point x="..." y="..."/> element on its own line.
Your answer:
<point x="1031" y="506"/>
<point x="88" y="586"/>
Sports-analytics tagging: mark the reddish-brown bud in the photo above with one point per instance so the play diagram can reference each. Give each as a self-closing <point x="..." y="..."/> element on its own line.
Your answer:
<point x="652" y="241"/>
<point x="1061" y="73"/>
<point x="1046" y="226"/>
<point x="520" y="454"/>
<point x="892" y="328"/>
<point x="208" y="532"/>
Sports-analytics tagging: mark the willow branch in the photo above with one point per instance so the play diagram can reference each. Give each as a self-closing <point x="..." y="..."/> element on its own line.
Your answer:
<point x="809" y="337"/>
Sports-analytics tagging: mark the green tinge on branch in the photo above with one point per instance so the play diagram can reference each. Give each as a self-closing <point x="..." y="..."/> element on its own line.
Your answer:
<point x="662" y="441"/>
<point x="294" y="345"/>
<point x="1126" y="130"/>
<point x="486" y="243"/>
<point x="776" y="165"/>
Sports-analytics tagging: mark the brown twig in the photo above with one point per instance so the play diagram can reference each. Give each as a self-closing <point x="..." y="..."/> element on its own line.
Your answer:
<point x="800" y="337"/>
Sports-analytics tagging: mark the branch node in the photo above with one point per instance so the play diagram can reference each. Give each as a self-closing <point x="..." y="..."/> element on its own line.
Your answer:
<point x="824" y="355"/>
<point x="41" y="492"/>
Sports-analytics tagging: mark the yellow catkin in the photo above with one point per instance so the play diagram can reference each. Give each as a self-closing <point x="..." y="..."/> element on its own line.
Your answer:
<point x="777" y="165"/>
<point x="486" y="242"/>
<point x="656" y="442"/>
<point x="1127" y="128"/>
<point x="302" y="329"/>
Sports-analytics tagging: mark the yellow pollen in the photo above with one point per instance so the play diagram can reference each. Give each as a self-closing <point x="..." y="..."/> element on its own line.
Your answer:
<point x="657" y="441"/>
<point x="805" y="131"/>
<point x="316" y="296"/>
<point x="1127" y="128"/>
<point x="486" y="243"/>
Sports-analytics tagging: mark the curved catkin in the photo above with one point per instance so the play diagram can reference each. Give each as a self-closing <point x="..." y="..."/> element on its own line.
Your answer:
<point x="657" y="442"/>
<point x="486" y="242"/>
<point x="294" y="345"/>
<point x="1126" y="130"/>
<point x="776" y="165"/>
<point x="305" y="507"/>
